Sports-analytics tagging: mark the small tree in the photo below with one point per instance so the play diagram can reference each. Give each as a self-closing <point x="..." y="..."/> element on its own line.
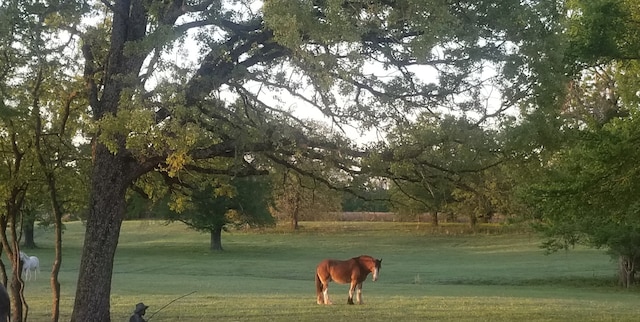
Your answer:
<point x="297" y="197"/>
<point x="243" y="201"/>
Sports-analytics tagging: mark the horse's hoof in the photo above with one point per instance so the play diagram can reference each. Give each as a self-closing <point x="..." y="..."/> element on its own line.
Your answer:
<point x="350" y="301"/>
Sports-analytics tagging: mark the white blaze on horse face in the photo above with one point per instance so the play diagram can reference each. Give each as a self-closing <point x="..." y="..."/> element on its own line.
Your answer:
<point x="375" y="274"/>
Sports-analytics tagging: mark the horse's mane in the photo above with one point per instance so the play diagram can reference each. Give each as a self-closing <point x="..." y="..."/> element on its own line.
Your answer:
<point x="372" y="259"/>
<point x="364" y="258"/>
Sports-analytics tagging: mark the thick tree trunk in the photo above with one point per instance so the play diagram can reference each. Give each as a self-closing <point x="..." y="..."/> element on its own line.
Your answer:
<point x="29" y="227"/>
<point x="216" y="239"/>
<point x="434" y="219"/>
<point x="107" y="209"/>
<point x="112" y="173"/>
<point x="626" y="271"/>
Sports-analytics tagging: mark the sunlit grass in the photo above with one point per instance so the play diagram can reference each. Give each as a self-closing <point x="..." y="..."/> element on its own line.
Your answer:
<point x="429" y="273"/>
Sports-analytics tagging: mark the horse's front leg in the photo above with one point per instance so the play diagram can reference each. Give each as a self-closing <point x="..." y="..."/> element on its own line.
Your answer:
<point x="352" y="288"/>
<point x="359" y="295"/>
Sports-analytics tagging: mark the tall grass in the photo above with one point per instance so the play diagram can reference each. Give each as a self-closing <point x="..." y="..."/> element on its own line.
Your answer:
<point x="428" y="273"/>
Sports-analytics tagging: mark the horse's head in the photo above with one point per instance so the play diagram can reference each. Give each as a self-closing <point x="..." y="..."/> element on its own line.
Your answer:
<point x="376" y="270"/>
<point x="23" y="257"/>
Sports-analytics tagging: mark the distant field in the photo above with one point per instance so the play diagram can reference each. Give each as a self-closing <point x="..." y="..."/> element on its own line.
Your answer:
<point x="267" y="275"/>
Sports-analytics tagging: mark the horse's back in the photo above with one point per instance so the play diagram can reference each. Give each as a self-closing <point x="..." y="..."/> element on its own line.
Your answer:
<point x="35" y="262"/>
<point x="323" y="267"/>
<point x="325" y="263"/>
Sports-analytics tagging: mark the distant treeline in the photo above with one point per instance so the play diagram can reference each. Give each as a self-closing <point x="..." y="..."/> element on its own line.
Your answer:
<point x="392" y="216"/>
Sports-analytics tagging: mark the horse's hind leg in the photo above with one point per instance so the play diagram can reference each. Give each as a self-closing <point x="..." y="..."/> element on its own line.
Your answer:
<point x="325" y="294"/>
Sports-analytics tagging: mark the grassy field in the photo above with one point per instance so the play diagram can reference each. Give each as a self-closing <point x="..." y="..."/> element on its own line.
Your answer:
<point x="265" y="275"/>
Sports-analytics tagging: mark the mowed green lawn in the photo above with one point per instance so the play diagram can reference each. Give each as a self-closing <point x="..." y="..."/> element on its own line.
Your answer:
<point x="268" y="275"/>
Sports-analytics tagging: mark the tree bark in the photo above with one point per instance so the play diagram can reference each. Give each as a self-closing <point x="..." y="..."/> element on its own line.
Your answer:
<point x="434" y="219"/>
<point x="107" y="209"/>
<point x="55" y="270"/>
<point x="56" y="207"/>
<point x="112" y="173"/>
<point x="626" y="271"/>
<point x="11" y="247"/>
<point x="216" y="239"/>
<point x="57" y="260"/>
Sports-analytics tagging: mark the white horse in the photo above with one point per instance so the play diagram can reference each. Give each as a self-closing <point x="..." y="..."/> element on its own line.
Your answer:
<point x="29" y="264"/>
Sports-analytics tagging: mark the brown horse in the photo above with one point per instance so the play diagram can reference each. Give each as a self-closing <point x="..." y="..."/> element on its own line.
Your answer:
<point x="353" y="271"/>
